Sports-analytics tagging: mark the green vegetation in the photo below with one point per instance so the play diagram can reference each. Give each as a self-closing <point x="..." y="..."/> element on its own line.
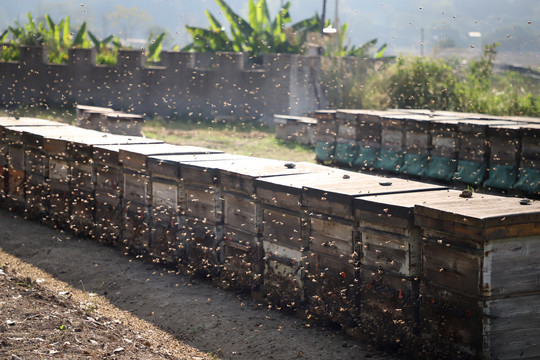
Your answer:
<point x="426" y="83"/>
<point x="257" y="35"/>
<point x="59" y="38"/>
<point x="236" y="138"/>
<point x="260" y="34"/>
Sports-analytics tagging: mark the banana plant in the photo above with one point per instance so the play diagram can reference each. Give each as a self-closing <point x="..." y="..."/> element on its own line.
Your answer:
<point x="107" y="55"/>
<point x="257" y="35"/>
<point x="154" y="47"/>
<point x="59" y="39"/>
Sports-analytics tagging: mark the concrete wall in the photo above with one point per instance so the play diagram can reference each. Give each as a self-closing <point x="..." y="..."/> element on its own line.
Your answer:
<point x="199" y="84"/>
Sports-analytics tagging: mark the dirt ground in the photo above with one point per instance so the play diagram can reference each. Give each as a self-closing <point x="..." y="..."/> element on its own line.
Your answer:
<point x="66" y="297"/>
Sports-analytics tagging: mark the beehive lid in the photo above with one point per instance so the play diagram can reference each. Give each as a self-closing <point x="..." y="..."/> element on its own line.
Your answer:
<point x="136" y="156"/>
<point x="299" y="119"/>
<point x="109" y="154"/>
<point x="391" y="206"/>
<point x="168" y="163"/>
<point x="293" y="184"/>
<point x="482" y="216"/>
<point x="338" y="191"/>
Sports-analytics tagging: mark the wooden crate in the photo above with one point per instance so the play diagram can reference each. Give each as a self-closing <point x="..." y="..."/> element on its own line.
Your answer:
<point x="477" y="252"/>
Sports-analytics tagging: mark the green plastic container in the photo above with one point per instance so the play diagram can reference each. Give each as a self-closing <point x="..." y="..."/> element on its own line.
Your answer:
<point x="470" y="172"/>
<point x="366" y="157"/>
<point x="441" y="168"/>
<point x="502" y="177"/>
<point x="389" y="160"/>
<point x="324" y="151"/>
<point x="528" y="181"/>
<point x="345" y="153"/>
<point x="414" y="164"/>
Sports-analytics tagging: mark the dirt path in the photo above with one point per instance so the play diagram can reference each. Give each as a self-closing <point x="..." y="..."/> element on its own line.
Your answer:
<point x="214" y="321"/>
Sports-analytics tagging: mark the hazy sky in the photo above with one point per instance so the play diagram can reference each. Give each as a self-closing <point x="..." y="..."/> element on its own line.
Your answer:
<point x="397" y="22"/>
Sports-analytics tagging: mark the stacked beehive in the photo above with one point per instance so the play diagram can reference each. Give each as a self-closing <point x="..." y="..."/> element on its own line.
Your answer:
<point x="137" y="191"/>
<point x="529" y="172"/>
<point x="479" y="284"/>
<point x="14" y="160"/>
<point x="325" y="135"/>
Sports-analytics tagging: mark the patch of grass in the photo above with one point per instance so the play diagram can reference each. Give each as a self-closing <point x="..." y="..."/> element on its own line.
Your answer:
<point x="63" y="115"/>
<point x="235" y="138"/>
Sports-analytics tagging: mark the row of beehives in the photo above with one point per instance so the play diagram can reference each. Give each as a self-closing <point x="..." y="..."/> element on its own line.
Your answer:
<point x="500" y="153"/>
<point x="404" y="263"/>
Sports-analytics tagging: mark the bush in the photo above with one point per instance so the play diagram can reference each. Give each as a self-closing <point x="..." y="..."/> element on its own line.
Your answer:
<point x="426" y="83"/>
<point x="413" y="83"/>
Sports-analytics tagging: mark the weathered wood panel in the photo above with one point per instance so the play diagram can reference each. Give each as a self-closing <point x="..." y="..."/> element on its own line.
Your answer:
<point x="504" y="144"/>
<point x="204" y="203"/>
<point x="284" y="228"/>
<point x="332" y="237"/>
<point x="242" y="213"/>
<point x="242" y="260"/>
<point x="284" y="275"/>
<point x="136" y="188"/>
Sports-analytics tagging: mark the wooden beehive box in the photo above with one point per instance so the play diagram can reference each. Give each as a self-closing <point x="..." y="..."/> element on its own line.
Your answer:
<point x="80" y="154"/>
<point x="504" y="143"/>
<point x="325" y="134"/>
<point x="474" y="149"/>
<point x="327" y="125"/>
<point x="390" y="157"/>
<point x="335" y="242"/>
<point x="285" y="235"/>
<point x="109" y="191"/>
<point x="14" y="137"/>
<point x="36" y="137"/>
<point x="241" y="208"/>
<point x="169" y="207"/>
<point x="480" y="270"/>
<point x="243" y="212"/>
<point x="530" y="146"/>
<point x="89" y="117"/>
<point x="445" y="137"/>
<point x="390" y="265"/>
<point x="298" y="129"/>
<point x="137" y="193"/>
<point x="122" y="123"/>
<point x="202" y="226"/>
